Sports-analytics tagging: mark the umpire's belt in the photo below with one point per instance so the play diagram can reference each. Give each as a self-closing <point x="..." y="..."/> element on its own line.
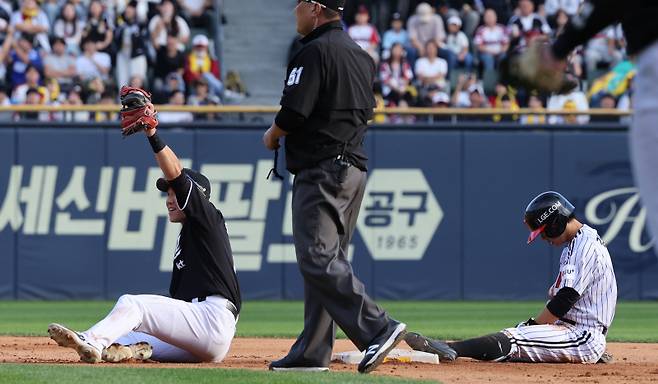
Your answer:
<point x="229" y="305"/>
<point x="604" y="329"/>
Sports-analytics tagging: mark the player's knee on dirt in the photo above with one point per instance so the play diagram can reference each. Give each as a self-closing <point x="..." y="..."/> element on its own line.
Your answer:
<point x="490" y="347"/>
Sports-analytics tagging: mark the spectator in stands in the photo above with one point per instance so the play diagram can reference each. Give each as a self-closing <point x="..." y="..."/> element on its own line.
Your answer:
<point x="202" y="96"/>
<point x="396" y="77"/>
<point x="605" y="49"/>
<point x="32" y="81"/>
<point x="431" y="69"/>
<point x="199" y="14"/>
<point x="169" y="59"/>
<point x="607" y="101"/>
<point x="98" y="28"/>
<point x="553" y="7"/>
<point x="5" y="53"/>
<point x="5" y="102"/>
<point x="68" y="26"/>
<point x="575" y="101"/>
<point x="31" y="20"/>
<point x="505" y="98"/>
<point x="92" y="63"/>
<point x="93" y="90"/>
<point x="168" y="22"/>
<point x="397" y="34"/>
<point x="527" y="24"/>
<point x="560" y="23"/>
<point x="234" y="87"/>
<point x="491" y="41"/>
<point x="365" y="34"/>
<point x="52" y="9"/>
<point x="176" y="98"/>
<point x="130" y="39"/>
<point x="74" y="97"/>
<point x="173" y="82"/>
<point x="107" y="98"/>
<point x="463" y="97"/>
<point x="457" y="43"/>
<point x="200" y="64"/>
<point x="534" y="102"/>
<point x="21" y="56"/>
<point x="6" y="28"/>
<point x="33" y="97"/>
<point x="425" y="26"/>
<point x="60" y="64"/>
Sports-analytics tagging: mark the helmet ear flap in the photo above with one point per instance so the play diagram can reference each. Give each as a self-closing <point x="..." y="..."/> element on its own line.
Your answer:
<point x="557" y="226"/>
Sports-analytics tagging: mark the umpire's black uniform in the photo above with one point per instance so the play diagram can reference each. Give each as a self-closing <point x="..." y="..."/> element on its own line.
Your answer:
<point x="326" y="104"/>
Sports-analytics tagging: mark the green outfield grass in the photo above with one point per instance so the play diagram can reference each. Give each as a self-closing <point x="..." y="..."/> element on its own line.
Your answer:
<point x="635" y="321"/>
<point x="54" y="374"/>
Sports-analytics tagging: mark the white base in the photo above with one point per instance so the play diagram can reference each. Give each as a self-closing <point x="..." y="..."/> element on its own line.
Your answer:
<point x="398" y="355"/>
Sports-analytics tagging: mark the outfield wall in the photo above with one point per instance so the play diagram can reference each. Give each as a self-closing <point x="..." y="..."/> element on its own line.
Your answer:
<point x="80" y="217"/>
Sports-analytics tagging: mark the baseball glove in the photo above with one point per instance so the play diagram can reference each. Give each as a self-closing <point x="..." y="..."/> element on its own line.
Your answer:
<point x="137" y="111"/>
<point x="535" y="68"/>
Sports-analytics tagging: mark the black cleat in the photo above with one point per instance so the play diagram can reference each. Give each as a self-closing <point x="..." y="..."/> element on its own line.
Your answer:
<point x="382" y="345"/>
<point x="421" y="343"/>
<point x="286" y="364"/>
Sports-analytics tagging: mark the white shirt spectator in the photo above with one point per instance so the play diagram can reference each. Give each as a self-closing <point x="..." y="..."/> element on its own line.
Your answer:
<point x="365" y="36"/>
<point x="569" y="6"/>
<point x="41" y="19"/>
<point x="426" y="68"/>
<point x="425" y="28"/>
<point x="457" y="42"/>
<point x="161" y="38"/>
<point x="87" y="67"/>
<point x="494" y="38"/>
<point x="576" y="101"/>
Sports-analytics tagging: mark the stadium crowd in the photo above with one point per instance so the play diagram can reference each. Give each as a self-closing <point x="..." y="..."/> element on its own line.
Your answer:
<point x="72" y="52"/>
<point x="443" y="53"/>
<point x="446" y="53"/>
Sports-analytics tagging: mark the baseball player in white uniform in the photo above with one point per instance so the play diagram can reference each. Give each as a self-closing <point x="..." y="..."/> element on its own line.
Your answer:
<point x="197" y="323"/>
<point x="572" y="327"/>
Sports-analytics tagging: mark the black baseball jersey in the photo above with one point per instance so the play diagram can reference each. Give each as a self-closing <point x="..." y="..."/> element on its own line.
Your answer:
<point x="203" y="261"/>
<point x="638" y="18"/>
<point x="330" y="86"/>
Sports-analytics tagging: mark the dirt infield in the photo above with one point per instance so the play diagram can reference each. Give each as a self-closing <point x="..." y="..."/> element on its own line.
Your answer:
<point x="634" y="363"/>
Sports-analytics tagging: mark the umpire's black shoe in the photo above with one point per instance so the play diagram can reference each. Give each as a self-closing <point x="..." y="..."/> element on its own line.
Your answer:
<point x="287" y="364"/>
<point x="421" y="343"/>
<point x="382" y="345"/>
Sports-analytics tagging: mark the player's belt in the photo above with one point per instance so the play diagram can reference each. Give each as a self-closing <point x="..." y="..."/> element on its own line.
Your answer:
<point x="229" y="305"/>
<point x="604" y="329"/>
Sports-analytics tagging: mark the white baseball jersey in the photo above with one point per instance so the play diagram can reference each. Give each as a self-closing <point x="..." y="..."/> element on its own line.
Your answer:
<point x="579" y="337"/>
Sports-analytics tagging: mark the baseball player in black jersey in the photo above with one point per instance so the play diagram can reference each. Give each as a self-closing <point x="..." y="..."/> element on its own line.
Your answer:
<point x="540" y="68"/>
<point x="326" y="103"/>
<point x="573" y="325"/>
<point x="195" y="324"/>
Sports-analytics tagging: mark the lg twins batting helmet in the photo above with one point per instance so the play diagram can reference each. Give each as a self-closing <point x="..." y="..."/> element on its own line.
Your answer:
<point x="548" y="213"/>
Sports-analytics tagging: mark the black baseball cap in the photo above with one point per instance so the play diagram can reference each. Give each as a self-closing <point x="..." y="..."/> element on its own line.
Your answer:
<point x="336" y="5"/>
<point x="199" y="180"/>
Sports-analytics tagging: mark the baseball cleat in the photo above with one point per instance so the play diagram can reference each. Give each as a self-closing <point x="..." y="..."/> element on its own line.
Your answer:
<point x="65" y="337"/>
<point x="382" y="345"/>
<point x="117" y="353"/>
<point x="286" y="364"/>
<point x="606" y="358"/>
<point x="421" y="343"/>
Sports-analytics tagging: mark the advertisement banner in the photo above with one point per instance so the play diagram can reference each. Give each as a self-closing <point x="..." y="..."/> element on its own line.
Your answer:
<point x="441" y="218"/>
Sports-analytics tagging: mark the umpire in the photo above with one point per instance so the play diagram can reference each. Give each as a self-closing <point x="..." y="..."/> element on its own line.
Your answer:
<point x="326" y="103"/>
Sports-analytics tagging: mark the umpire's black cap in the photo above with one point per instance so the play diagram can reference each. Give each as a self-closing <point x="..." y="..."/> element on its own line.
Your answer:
<point x="199" y="180"/>
<point x="336" y="5"/>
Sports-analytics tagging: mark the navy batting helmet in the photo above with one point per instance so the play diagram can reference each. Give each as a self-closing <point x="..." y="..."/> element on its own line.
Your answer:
<point x="548" y="213"/>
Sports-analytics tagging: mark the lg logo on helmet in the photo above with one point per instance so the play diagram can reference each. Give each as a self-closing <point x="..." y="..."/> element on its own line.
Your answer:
<point x="546" y="214"/>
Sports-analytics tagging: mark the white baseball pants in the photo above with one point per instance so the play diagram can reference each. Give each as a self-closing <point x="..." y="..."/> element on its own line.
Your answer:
<point x="177" y="330"/>
<point x="551" y="343"/>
